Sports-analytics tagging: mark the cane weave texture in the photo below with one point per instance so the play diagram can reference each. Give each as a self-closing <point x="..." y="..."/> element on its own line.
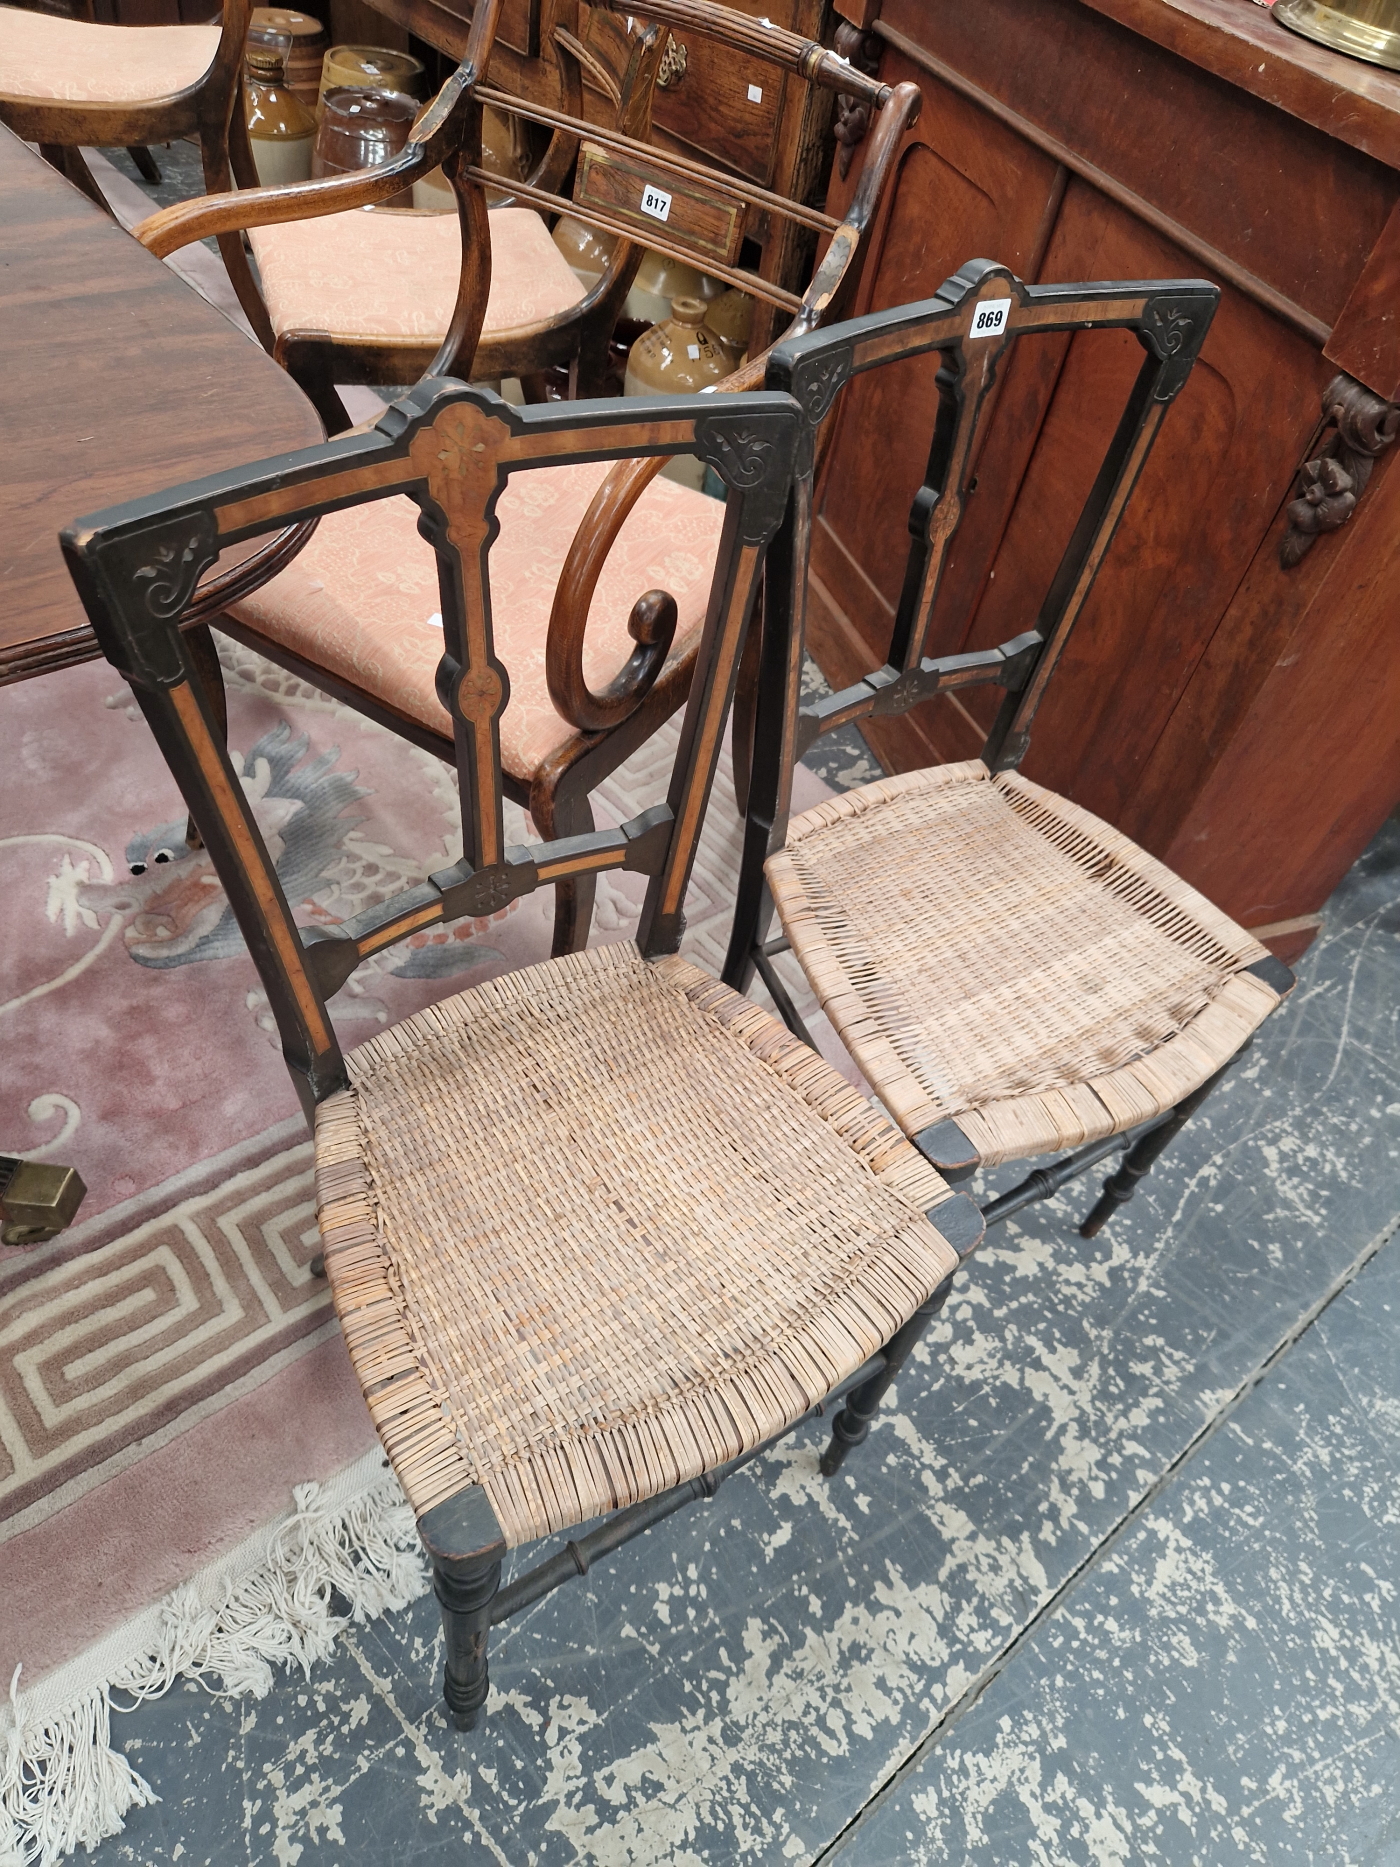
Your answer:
<point x="992" y="953"/>
<point x="597" y="1226"/>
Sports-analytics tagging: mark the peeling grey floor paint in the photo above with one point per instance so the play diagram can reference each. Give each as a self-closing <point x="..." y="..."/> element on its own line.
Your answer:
<point x="1212" y="1671"/>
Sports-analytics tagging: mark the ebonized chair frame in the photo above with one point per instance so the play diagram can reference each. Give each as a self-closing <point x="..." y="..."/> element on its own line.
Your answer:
<point x="451" y="448"/>
<point x="1170" y="319"/>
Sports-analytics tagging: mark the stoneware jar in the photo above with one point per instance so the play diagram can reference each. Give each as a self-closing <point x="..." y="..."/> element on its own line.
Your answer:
<point x="281" y="130"/>
<point x="658" y="283"/>
<point x="361" y="129"/>
<point x="727" y="319"/>
<point x="308" y="47"/>
<point x="586" y="250"/>
<point x="677" y="357"/>
<point x="370" y="68"/>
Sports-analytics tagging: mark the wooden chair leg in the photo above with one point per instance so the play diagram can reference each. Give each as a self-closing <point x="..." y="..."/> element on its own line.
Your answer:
<point x="68" y="160"/>
<point x="315" y="384"/>
<point x="573" y="900"/>
<point x="1143" y="1155"/>
<point x="851" y="1426"/>
<point x="145" y="162"/>
<point x="205" y="656"/>
<point x="745" y="711"/>
<point x="465" y="1590"/>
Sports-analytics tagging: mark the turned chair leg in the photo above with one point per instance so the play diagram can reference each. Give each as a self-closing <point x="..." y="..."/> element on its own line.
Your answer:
<point x="465" y="1589"/>
<point x="851" y="1427"/>
<point x="1144" y="1154"/>
<point x="205" y="655"/>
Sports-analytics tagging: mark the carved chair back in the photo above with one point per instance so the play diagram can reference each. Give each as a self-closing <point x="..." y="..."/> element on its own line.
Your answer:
<point x="452" y="450"/>
<point x="972" y="322"/>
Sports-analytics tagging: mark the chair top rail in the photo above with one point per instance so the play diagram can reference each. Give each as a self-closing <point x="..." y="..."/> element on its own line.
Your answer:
<point x="451" y="448"/>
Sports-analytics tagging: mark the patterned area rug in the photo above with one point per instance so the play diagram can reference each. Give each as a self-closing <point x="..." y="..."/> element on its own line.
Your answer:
<point x="170" y="1368"/>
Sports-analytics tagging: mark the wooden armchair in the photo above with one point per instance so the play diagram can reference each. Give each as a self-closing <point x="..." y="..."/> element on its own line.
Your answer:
<point x="391" y="297"/>
<point x="599" y="1230"/>
<point x="68" y="84"/>
<point x="1012" y="974"/>
<point x="602" y="578"/>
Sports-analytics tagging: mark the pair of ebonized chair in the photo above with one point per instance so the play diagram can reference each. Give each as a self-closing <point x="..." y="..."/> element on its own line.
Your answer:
<point x="600" y="1230"/>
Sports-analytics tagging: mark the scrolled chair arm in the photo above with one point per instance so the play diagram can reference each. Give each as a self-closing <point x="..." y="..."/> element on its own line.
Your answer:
<point x="651" y="625"/>
<point x="166" y="232"/>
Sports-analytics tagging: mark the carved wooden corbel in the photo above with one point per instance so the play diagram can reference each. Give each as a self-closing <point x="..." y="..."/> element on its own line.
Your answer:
<point x="1359" y="428"/>
<point x="861" y="49"/>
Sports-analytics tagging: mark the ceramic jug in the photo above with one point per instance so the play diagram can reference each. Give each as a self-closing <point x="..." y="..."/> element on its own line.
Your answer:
<point x="281" y="129"/>
<point x="677" y="357"/>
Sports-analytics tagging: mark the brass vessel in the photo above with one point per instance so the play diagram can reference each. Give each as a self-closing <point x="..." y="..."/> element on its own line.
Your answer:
<point x="1368" y="29"/>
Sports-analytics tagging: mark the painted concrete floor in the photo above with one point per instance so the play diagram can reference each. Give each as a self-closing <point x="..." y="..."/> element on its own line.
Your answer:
<point x="1115" y="1578"/>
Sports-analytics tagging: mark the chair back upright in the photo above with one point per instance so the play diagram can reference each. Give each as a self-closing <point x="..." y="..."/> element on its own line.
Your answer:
<point x="451" y="449"/>
<point x="971" y="322"/>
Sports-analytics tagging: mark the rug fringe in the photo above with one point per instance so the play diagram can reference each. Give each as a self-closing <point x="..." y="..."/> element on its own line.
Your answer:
<point x="332" y="1562"/>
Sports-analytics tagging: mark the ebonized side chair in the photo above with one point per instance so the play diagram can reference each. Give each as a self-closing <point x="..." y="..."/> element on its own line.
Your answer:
<point x="1012" y="974"/>
<point x="603" y="668"/>
<point x="599" y="1230"/>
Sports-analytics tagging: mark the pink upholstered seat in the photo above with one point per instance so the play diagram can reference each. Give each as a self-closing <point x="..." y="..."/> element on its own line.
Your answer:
<point x="43" y="57"/>
<point x="378" y="272"/>
<point x="362" y="599"/>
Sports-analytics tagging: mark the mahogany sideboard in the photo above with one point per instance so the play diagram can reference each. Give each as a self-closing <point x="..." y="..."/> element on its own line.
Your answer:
<point x="1239" y="718"/>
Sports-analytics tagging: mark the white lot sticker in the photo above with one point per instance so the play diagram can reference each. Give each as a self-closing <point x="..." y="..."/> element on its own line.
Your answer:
<point x="755" y="93"/>
<point x="991" y="317"/>
<point x="657" y="203"/>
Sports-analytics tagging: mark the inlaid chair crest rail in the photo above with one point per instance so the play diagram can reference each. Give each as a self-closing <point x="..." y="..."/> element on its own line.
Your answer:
<point x="601" y="1229"/>
<point x="1013" y="975"/>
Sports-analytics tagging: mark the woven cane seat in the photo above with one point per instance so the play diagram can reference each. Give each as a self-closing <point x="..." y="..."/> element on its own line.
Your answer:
<point x="600" y="1225"/>
<point x="991" y="953"/>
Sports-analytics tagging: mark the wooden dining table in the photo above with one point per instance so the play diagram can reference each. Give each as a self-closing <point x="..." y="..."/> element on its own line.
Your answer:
<point x="116" y="380"/>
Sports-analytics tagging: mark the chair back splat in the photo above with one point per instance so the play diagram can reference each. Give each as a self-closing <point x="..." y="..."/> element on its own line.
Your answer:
<point x="972" y="322"/>
<point x="451" y="449"/>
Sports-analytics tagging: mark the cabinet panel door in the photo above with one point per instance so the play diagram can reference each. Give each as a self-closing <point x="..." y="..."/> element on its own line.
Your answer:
<point x="1222" y="467"/>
